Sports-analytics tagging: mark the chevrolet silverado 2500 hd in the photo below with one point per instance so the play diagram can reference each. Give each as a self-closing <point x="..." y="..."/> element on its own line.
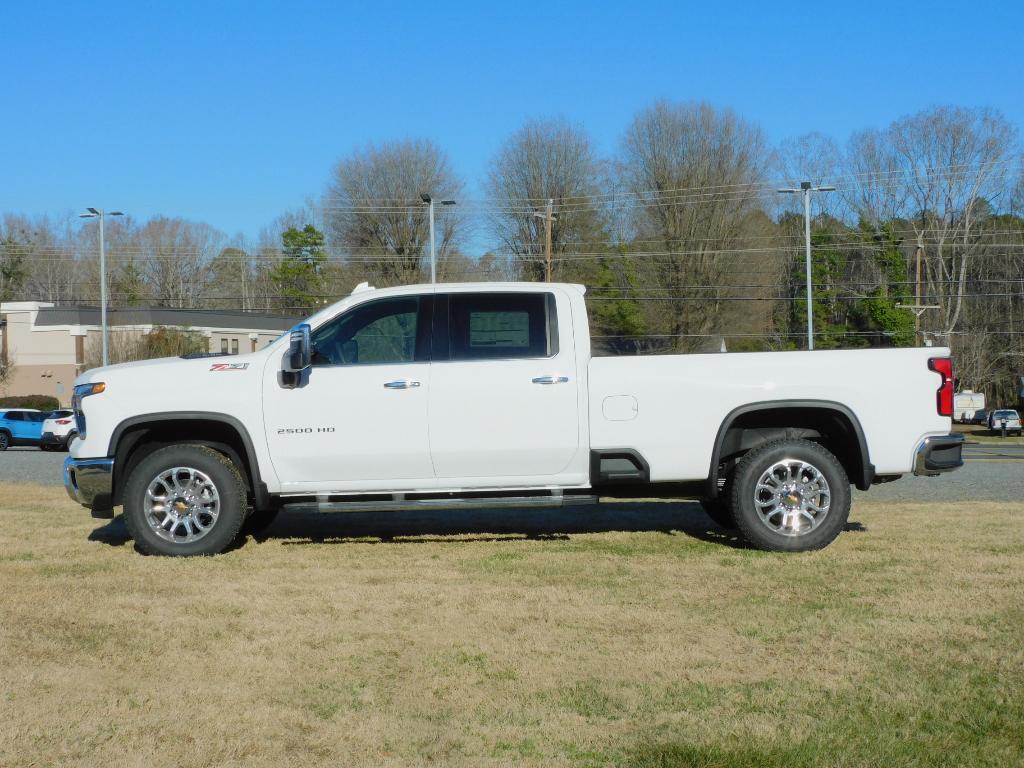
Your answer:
<point x="488" y="395"/>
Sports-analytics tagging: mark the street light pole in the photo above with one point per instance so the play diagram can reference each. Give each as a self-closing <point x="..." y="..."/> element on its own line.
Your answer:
<point x="806" y="189"/>
<point x="429" y="202"/>
<point x="99" y="213"/>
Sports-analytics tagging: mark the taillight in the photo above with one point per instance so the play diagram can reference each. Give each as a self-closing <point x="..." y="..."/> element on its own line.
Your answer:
<point x="63" y="421"/>
<point x="944" y="396"/>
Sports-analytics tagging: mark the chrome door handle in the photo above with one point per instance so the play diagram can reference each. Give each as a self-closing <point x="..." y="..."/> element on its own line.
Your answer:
<point x="401" y="384"/>
<point x="550" y="379"/>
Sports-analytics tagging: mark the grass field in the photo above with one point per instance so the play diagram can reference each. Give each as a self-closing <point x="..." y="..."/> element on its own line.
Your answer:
<point x="635" y="635"/>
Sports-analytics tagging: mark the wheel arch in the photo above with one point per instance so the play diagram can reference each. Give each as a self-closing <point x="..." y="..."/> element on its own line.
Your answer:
<point x="752" y="424"/>
<point x="219" y="431"/>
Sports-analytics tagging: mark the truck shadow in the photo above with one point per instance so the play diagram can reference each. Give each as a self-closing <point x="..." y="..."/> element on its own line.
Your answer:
<point x="305" y="525"/>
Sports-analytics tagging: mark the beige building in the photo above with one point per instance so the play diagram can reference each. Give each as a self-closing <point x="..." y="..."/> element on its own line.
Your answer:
<point x="46" y="347"/>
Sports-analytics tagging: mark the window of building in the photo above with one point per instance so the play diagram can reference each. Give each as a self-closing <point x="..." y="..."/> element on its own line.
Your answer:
<point x="223" y="346"/>
<point x="234" y="346"/>
<point x="502" y="325"/>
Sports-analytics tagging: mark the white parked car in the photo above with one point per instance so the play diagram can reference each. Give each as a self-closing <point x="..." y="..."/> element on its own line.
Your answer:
<point x="58" y="431"/>
<point x="488" y="395"/>
<point x="1011" y="418"/>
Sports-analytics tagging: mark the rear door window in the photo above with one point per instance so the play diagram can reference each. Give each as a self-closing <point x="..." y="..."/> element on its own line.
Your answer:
<point x="504" y="326"/>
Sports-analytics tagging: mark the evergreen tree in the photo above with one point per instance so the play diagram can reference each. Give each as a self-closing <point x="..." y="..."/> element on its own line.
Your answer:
<point x="297" y="277"/>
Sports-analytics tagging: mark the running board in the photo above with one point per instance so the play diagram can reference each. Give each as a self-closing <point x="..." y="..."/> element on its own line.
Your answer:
<point x="400" y="505"/>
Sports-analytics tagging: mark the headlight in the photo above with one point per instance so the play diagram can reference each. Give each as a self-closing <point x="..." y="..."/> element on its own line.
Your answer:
<point x="84" y="390"/>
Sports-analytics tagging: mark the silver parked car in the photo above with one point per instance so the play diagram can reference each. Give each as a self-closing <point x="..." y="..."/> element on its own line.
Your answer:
<point x="1004" y="417"/>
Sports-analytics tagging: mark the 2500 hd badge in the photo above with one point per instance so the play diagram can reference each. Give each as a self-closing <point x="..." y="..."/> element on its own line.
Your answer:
<point x="303" y="430"/>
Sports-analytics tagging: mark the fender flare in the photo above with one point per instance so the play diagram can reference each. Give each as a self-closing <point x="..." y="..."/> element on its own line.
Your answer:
<point x="867" y="475"/>
<point x="261" y="496"/>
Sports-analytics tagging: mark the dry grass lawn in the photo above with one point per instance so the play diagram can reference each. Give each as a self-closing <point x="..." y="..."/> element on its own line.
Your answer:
<point x="636" y="634"/>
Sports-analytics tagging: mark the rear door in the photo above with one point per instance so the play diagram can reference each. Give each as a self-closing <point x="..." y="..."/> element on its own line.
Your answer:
<point x="15" y="423"/>
<point x="504" y="390"/>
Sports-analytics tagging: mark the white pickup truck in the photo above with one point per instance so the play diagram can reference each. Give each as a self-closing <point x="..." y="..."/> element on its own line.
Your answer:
<point x="488" y="395"/>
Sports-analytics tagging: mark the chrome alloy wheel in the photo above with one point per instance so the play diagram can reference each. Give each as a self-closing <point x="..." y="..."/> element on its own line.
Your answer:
<point x="792" y="497"/>
<point x="182" y="505"/>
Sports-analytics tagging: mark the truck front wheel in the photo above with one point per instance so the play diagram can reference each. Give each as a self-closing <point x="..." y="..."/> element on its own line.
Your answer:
<point x="790" y="496"/>
<point x="184" y="500"/>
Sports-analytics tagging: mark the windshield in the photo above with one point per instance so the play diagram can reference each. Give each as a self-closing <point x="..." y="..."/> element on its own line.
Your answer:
<point x="1005" y="415"/>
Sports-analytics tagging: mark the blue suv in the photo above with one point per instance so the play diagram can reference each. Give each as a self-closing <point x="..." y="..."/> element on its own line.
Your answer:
<point x="19" y="426"/>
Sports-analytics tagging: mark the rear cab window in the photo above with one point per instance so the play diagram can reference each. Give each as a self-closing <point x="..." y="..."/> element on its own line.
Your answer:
<point x="498" y="326"/>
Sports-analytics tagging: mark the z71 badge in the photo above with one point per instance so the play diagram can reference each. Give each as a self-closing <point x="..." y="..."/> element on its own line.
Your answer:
<point x="229" y="366"/>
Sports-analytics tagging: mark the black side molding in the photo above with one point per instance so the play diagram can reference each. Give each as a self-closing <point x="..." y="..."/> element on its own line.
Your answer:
<point x="618" y="466"/>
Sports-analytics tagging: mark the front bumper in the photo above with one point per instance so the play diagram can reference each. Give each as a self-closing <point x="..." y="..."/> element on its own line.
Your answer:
<point x="938" y="454"/>
<point x="90" y="482"/>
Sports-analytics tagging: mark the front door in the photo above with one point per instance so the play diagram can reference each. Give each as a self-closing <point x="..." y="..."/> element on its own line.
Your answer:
<point x="359" y="421"/>
<point x="504" y="406"/>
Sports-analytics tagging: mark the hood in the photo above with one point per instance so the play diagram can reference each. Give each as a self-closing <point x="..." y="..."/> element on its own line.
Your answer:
<point x="161" y="366"/>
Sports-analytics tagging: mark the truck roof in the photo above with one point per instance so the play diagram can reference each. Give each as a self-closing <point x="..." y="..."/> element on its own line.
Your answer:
<point x="478" y="286"/>
<point x="365" y="290"/>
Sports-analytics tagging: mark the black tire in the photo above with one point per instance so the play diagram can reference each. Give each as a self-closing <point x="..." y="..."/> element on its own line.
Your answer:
<point x="5" y="441"/>
<point x="225" y="478"/>
<point x="763" y="534"/>
<point x="719" y="512"/>
<point x="259" y="520"/>
<point x="67" y="443"/>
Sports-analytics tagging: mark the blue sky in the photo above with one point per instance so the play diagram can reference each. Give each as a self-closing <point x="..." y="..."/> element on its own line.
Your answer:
<point x="232" y="113"/>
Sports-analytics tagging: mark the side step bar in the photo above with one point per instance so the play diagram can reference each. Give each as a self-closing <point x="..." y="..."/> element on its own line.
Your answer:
<point x="494" y="502"/>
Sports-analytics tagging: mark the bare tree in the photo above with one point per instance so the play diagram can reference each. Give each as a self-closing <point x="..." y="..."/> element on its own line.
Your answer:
<point x="812" y="157"/>
<point x="952" y="160"/>
<point x="176" y="255"/>
<point x="695" y="173"/>
<point x="545" y="160"/>
<point x="939" y="171"/>
<point x="49" y="259"/>
<point x="15" y="239"/>
<point x="374" y="215"/>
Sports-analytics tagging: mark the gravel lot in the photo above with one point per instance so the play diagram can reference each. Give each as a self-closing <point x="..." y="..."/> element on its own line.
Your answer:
<point x="992" y="473"/>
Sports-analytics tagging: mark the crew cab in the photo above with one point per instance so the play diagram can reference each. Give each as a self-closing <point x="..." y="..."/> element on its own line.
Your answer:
<point x="488" y="395"/>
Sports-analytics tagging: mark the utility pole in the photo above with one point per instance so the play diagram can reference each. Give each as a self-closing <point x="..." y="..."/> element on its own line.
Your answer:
<point x="917" y="307"/>
<point x="429" y="202"/>
<point x="806" y="189"/>
<point x="548" y="216"/>
<point x="917" y="289"/>
<point x="94" y="213"/>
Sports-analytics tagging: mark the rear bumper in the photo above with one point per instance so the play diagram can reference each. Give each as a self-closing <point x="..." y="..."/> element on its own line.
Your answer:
<point x="938" y="454"/>
<point x="48" y="438"/>
<point x="90" y="482"/>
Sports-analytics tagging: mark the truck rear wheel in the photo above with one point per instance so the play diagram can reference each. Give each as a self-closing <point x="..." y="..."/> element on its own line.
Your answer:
<point x="184" y="500"/>
<point x="790" y="496"/>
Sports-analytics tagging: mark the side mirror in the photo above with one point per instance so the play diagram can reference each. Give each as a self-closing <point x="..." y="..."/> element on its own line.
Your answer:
<point x="298" y="357"/>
